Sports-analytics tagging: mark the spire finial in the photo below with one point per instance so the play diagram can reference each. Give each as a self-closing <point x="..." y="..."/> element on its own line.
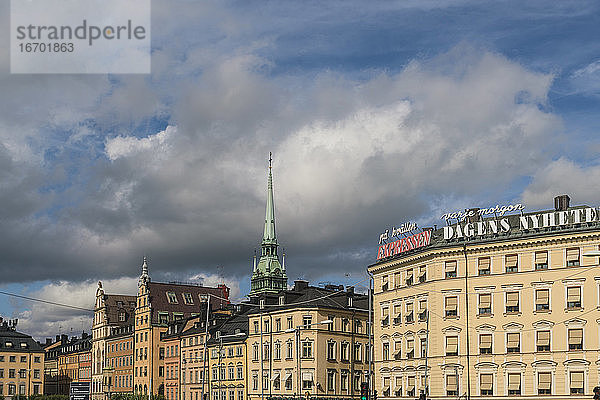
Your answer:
<point x="270" y="159"/>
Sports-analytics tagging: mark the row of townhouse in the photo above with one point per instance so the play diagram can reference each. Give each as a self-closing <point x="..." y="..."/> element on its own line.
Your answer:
<point x="66" y="360"/>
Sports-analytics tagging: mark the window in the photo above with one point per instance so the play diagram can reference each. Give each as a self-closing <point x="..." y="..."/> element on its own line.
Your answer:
<point x="511" y="262"/>
<point x="307" y="321"/>
<point x="513" y="342"/>
<point x="290" y="324"/>
<point x="410" y="348"/>
<point x="512" y="302"/>
<point x="514" y="384"/>
<point x="172" y="298"/>
<point x="409" y="277"/>
<point x="277" y="355"/>
<point x="344" y="351"/>
<point x="307" y="381"/>
<point x="422" y="273"/>
<point x="255" y="381"/>
<point x="256" y="327"/>
<point x="385" y="320"/>
<point x="11" y="373"/>
<point x="307" y="349"/>
<point x="542" y="299"/>
<point x="451" y="306"/>
<point x="255" y="351"/>
<point x="410" y="388"/>
<point x="386" y="351"/>
<point x="486" y="384"/>
<point x="231" y="373"/>
<point x="163" y="318"/>
<point x="240" y="372"/>
<point x="288" y="380"/>
<point x="122" y="316"/>
<point x="397" y="314"/>
<point x="344" y="380"/>
<point x="331" y="350"/>
<point x="397" y="349"/>
<point x="357" y="352"/>
<point x="544" y="382"/>
<point x="452" y="385"/>
<point x="423" y="347"/>
<point x="573" y="257"/>
<point x="409" y="313"/>
<point x="267" y="326"/>
<point x="281" y="300"/>
<point x="331" y="326"/>
<point x="331" y="380"/>
<point x="187" y="298"/>
<point x="36" y="374"/>
<point x="485" y="304"/>
<point x="277" y="324"/>
<point x="542" y="339"/>
<point x="422" y="310"/>
<point x="576" y="382"/>
<point x="485" y="343"/>
<point x="575" y="339"/>
<point x="384" y="283"/>
<point x="266" y="351"/>
<point x="573" y="297"/>
<point x="541" y="260"/>
<point x="289" y="352"/>
<point x="450" y="268"/>
<point x="483" y="265"/>
<point x="452" y="345"/>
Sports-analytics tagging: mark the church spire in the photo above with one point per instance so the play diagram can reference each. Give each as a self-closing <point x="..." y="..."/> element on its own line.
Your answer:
<point x="268" y="276"/>
<point x="269" y="231"/>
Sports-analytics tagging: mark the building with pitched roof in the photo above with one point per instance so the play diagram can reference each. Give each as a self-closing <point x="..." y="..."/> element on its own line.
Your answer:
<point x="21" y="362"/>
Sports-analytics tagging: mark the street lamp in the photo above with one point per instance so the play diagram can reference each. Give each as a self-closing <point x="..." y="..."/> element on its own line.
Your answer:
<point x="298" y="361"/>
<point x="221" y="337"/>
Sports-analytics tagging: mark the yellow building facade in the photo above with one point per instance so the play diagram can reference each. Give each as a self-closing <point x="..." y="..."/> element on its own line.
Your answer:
<point x="499" y="306"/>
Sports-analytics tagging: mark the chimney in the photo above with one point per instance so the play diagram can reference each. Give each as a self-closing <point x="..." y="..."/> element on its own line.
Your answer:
<point x="64" y="339"/>
<point x="475" y="217"/>
<point x="561" y="203"/>
<point x="58" y="338"/>
<point x="48" y="341"/>
<point x="300" y="285"/>
<point x="84" y="335"/>
<point x="350" y="290"/>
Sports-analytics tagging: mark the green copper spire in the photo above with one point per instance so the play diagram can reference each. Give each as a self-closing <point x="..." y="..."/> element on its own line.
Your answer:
<point x="268" y="276"/>
<point x="269" y="232"/>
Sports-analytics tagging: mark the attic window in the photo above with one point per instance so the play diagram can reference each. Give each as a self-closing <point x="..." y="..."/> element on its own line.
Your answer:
<point x="23" y="345"/>
<point x="172" y="297"/>
<point x="262" y="304"/>
<point x="119" y="304"/>
<point x="281" y="300"/>
<point x="187" y="298"/>
<point x="122" y="316"/>
<point x="217" y="334"/>
<point x="8" y="344"/>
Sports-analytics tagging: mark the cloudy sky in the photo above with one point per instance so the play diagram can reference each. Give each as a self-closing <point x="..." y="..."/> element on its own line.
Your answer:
<point x="377" y="113"/>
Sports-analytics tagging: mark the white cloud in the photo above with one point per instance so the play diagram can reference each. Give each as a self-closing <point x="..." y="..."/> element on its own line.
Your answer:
<point x="122" y="146"/>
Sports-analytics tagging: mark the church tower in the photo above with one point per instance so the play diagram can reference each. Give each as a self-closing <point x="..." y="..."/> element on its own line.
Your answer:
<point x="268" y="276"/>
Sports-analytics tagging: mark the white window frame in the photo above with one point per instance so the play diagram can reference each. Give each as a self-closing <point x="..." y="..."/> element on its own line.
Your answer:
<point x="504" y="263"/>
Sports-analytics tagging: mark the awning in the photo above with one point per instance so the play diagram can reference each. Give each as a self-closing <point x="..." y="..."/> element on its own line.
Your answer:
<point x="307" y="376"/>
<point x="575" y="336"/>
<point x="573" y="294"/>
<point x="541" y="257"/>
<point x="542" y="296"/>
<point x="512" y="340"/>
<point x="485" y="300"/>
<point x="543" y="338"/>
<point x="577" y="380"/>
<point x="485" y="341"/>
<point x="572" y="254"/>
<point x="450" y="266"/>
<point x="452" y="344"/>
<point x="514" y="381"/>
<point x="410" y="345"/>
<point x="409" y="273"/>
<point x="512" y="299"/>
<point x="544" y="380"/>
<point x="511" y="260"/>
<point x="411" y="383"/>
<point x="486" y="381"/>
<point x="484" y="263"/>
<point x="409" y="308"/>
<point x="288" y="375"/>
<point x="275" y="376"/>
<point x="451" y="303"/>
<point x="451" y="383"/>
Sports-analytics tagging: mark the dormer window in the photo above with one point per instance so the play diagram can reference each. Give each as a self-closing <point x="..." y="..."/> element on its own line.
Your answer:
<point x="217" y="334"/>
<point x="23" y="345"/>
<point x="281" y="300"/>
<point x="172" y="297"/>
<point x="8" y="344"/>
<point x="187" y="298"/>
<point x="119" y="304"/>
<point x="261" y="303"/>
<point x="122" y="316"/>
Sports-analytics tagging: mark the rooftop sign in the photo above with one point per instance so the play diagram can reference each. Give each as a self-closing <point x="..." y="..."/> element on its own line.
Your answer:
<point x="394" y="248"/>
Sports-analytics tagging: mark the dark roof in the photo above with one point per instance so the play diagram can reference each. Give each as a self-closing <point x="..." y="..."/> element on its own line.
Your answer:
<point x="160" y="301"/>
<point x="235" y="324"/>
<point x="305" y="296"/>
<point x="17" y="342"/>
<point x="438" y="241"/>
<point x="117" y="303"/>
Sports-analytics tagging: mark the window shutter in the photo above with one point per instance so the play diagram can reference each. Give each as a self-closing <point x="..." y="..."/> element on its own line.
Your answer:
<point x="450" y="266"/>
<point x="484" y="263"/>
<point x="514" y="381"/>
<point x="512" y="340"/>
<point x="575" y="336"/>
<point x="573" y="294"/>
<point x="542" y="296"/>
<point x="543" y="338"/>
<point x="512" y="299"/>
<point x="451" y="344"/>
<point x="511" y="260"/>
<point x="485" y="300"/>
<point x="577" y="380"/>
<point x="451" y="303"/>
<point x="485" y="341"/>
<point x="411" y="383"/>
<point x="541" y="257"/>
<point x="572" y="254"/>
<point x="544" y="380"/>
<point x="486" y="381"/>
<point x="451" y="382"/>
